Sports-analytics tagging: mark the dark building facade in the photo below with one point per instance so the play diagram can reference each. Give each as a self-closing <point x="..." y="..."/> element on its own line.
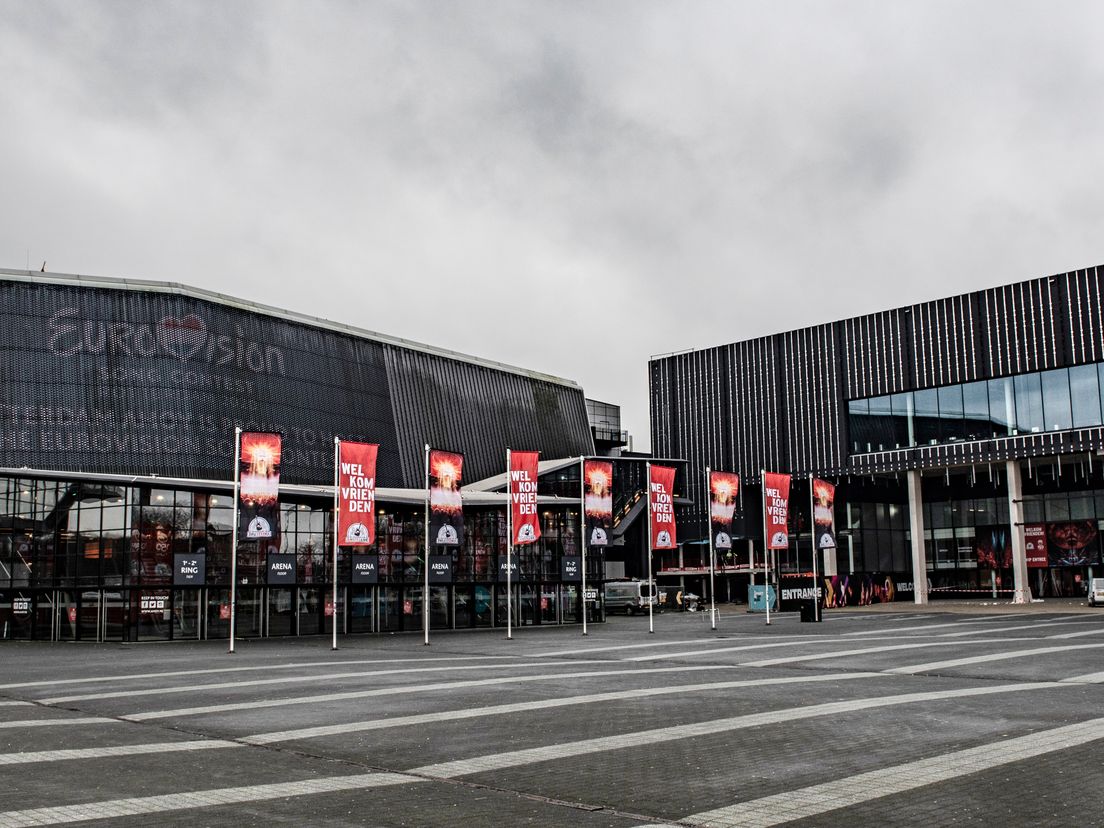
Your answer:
<point x="956" y="423"/>
<point x="117" y="414"/>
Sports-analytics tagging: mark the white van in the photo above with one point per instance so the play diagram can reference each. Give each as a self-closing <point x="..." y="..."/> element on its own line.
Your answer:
<point x="629" y="597"/>
<point x="1096" y="592"/>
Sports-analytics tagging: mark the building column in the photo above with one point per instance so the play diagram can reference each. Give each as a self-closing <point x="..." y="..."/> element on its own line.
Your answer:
<point x="1022" y="594"/>
<point x="916" y="530"/>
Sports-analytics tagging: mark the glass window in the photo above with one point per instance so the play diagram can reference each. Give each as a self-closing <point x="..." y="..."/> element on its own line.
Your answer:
<point x="881" y="424"/>
<point x="975" y="410"/>
<point x="1002" y="407"/>
<point x="858" y="413"/>
<point x="1057" y="415"/>
<point x="1082" y="507"/>
<point x="1057" y="507"/>
<point x="1029" y="403"/>
<point x="950" y="414"/>
<point x="1085" y="394"/>
<point x="901" y="407"/>
<point x="926" y="423"/>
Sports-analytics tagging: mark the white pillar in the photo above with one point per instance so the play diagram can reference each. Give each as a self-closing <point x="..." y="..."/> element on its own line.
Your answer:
<point x="916" y="529"/>
<point x="1019" y="548"/>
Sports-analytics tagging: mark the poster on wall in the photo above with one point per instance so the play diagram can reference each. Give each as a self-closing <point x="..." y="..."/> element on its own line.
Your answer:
<point x="523" y="496"/>
<point x="1072" y="543"/>
<point x="824" y="514"/>
<point x="994" y="547"/>
<point x="723" y="488"/>
<point x="259" y="487"/>
<point x="776" y="507"/>
<point x="1035" y="545"/>
<point x="661" y="502"/>
<point x="446" y="506"/>
<point x="356" y="493"/>
<point x="598" y="501"/>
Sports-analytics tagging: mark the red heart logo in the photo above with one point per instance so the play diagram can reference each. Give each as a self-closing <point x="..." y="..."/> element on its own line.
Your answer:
<point x="183" y="337"/>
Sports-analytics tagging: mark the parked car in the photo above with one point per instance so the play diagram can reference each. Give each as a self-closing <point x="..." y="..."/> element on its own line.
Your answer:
<point x="629" y="597"/>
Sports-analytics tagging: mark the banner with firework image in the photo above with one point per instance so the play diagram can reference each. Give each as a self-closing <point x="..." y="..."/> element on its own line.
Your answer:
<point x="661" y="503"/>
<point x="446" y="507"/>
<point x="598" y="501"/>
<point x="723" y="488"/>
<point x="356" y="493"/>
<point x="523" y="496"/>
<point x="824" y="514"/>
<point x="259" y="485"/>
<point x="776" y="507"/>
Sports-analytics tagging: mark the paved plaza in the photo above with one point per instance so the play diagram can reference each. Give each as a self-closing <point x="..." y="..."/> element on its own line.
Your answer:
<point x="946" y="716"/>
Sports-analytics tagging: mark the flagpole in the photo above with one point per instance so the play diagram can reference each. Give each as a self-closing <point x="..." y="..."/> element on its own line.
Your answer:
<point x="766" y="546"/>
<point x="234" y="536"/>
<point x="425" y="595"/>
<point x="712" y="554"/>
<point x="336" y="523"/>
<point x="812" y="518"/>
<point x="582" y="535"/>
<point x="648" y="542"/>
<point x="509" y="552"/>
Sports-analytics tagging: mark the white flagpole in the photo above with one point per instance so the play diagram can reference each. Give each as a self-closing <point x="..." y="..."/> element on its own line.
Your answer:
<point x="766" y="546"/>
<point x="582" y="536"/>
<point x="712" y="554"/>
<point x="336" y="523"/>
<point x="509" y="552"/>
<point x="234" y="537"/>
<point x="648" y="542"/>
<point x="425" y="595"/>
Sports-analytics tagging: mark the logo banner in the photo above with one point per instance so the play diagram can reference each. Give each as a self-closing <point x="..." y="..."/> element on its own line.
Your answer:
<point x="446" y="507"/>
<point x="259" y="486"/>
<point x="598" y="501"/>
<point x="723" y="487"/>
<point x="356" y="494"/>
<point x="522" y="485"/>
<point x="1035" y="545"/>
<point x="661" y="500"/>
<point x="824" y="514"/>
<point x="776" y="506"/>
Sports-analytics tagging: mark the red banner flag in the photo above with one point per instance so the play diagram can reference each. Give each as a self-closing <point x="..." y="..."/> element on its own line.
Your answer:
<point x="446" y="505"/>
<point x="356" y="494"/>
<point x="824" y="514"/>
<point x="259" y="485"/>
<point x="723" y="487"/>
<point x="598" y="501"/>
<point x="522" y="486"/>
<point x="661" y="500"/>
<point x="776" y="507"/>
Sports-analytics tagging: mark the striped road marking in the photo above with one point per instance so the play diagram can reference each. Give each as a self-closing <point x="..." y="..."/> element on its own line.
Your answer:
<point x="15" y="704"/>
<point x="230" y="685"/>
<point x="805" y="642"/>
<point x="500" y="709"/>
<point x="772" y="662"/>
<point x="923" y="627"/>
<point x="1087" y="678"/>
<point x="406" y="689"/>
<point x="101" y="752"/>
<point x="83" y="720"/>
<point x="139" y="806"/>
<point x="1018" y="627"/>
<point x="146" y="676"/>
<point x="864" y="787"/>
<point x="1078" y="634"/>
<point x="981" y="659"/>
<point x="636" y="740"/>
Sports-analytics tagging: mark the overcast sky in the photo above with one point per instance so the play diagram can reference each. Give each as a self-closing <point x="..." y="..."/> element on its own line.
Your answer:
<point x="568" y="187"/>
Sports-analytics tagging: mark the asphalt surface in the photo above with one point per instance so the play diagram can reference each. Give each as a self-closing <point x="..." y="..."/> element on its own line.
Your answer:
<point x="977" y="714"/>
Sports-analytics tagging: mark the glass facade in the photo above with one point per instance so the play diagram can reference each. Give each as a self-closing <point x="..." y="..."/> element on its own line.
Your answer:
<point x="1055" y="400"/>
<point x="88" y="560"/>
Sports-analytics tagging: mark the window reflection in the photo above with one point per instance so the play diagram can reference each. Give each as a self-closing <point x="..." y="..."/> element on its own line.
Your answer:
<point x="1055" y="400"/>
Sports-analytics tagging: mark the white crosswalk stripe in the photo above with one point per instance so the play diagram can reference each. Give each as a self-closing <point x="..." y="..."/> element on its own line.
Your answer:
<point x="814" y="800"/>
<point x="990" y="657"/>
<point x="116" y="750"/>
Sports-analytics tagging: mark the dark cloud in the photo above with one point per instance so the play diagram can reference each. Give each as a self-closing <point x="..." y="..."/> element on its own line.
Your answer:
<point x="642" y="177"/>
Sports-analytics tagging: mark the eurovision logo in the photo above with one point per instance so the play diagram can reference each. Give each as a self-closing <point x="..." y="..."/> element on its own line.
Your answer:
<point x="182" y="338"/>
